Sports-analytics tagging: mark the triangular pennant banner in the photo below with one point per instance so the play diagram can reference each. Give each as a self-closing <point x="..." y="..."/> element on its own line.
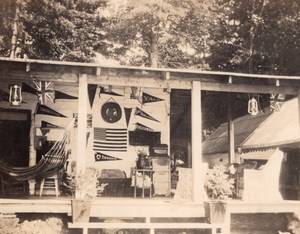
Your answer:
<point x="45" y="110"/>
<point x="28" y="89"/>
<point x="92" y="88"/>
<point x="146" y="98"/>
<point x="45" y="131"/>
<point x="127" y="114"/>
<point x="45" y="124"/>
<point x="61" y="95"/>
<point x="107" y="91"/>
<point x="4" y="96"/>
<point x="142" y="127"/>
<point x="104" y="157"/>
<point x="143" y="114"/>
<point x="87" y="138"/>
<point x="276" y="101"/>
<point x="44" y="91"/>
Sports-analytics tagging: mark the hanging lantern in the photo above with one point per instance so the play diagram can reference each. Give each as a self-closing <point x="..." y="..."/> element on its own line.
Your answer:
<point x="252" y="106"/>
<point x="15" y="95"/>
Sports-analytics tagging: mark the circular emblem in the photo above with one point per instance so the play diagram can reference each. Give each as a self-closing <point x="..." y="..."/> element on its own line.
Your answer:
<point x="111" y="112"/>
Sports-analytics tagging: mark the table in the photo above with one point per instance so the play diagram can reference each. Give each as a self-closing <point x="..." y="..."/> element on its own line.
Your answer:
<point x="144" y="173"/>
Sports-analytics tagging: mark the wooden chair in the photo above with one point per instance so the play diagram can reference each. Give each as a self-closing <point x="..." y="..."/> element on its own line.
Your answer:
<point x="9" y="186"/>
<point x="263" y="185"/>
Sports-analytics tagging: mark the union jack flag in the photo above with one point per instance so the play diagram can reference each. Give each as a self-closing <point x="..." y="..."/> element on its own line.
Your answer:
<point x="44" y="91"/>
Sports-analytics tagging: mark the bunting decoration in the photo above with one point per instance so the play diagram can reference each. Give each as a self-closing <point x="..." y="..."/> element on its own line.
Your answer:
<point x="104" y="157"/>
<point x="146" y="98"/>
<point x="44" y="91"/>
<point x="276" y="101"/>
<point x="127" y="114"/>
<point x="143" y="114"/>
<point x="109" y="139"/>
<point x="92" y="88"/>
<point x="61" y="95"/>
<point x="89" y="120"/>
<point x="142" y="127"/>
<point x="4" y="96"/>
<point x="45" y="110"/>
<point x="108" y="91"/>
<point x="28" y="89"/>
<point x="45" y="124"/>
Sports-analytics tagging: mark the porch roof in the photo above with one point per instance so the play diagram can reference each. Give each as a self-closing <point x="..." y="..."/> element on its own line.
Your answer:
<point x="59" y="71"/>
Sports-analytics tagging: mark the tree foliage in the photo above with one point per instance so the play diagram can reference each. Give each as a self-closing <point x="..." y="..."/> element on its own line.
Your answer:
<point x="154" y="33"/>
<point x="256" y="36"/>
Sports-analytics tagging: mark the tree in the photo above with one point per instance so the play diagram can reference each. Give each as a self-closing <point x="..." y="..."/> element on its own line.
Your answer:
<point x="257" y="36"/>
<point x="60" y="29"/>
<point x="153" y="33"/>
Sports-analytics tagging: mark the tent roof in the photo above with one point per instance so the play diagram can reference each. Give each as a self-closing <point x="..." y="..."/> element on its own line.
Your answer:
<point x="243" y="128"/>
<point x="281" y="129"/>
<point x="263" y="131"/>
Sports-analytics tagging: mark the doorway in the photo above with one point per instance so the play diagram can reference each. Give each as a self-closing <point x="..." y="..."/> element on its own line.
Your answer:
<point x="15" y="136"/>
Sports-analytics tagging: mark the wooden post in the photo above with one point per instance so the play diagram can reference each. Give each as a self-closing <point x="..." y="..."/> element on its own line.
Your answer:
<point x="230" y="131"/>
<point x="82" y="119"/>
<point x="32" y="155"/>
<point x="196" y="141"/>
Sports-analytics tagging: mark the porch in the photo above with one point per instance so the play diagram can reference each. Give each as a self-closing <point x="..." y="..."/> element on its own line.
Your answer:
<point x="154" y="211"/>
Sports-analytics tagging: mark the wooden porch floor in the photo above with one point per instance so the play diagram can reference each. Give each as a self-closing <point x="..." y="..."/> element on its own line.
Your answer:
<point x="138" y="207"/>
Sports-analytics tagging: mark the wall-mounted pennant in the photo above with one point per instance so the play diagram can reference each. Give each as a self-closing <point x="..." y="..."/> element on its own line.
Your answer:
<point x="89" y="120"/>
<point x="4" y="96"/>
<point x="28" y="89"/>
<point x="45" y="124"/>
<point x="44" y="91"/>
<point x="276" y="101"/>
<point x="92" y="88"/>
<point x="104" y="90"/>
<point x="45" y="110"/>
<point x="146" y="98"/>
<point x="127" y="114"/>
<point x="143" y="114"/>
<point x="104" y="157"/>
<point x="110" y="139"/>
<point x="142" y="127"/>
<point x="61" y="95"/>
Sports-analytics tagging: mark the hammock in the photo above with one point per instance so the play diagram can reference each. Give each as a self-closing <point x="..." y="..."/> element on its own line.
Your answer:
<point x="52" y="162"/>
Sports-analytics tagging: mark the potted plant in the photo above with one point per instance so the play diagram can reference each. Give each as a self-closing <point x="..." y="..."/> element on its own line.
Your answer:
<point x="219" y="187"/>
<point x="84" y="187"/>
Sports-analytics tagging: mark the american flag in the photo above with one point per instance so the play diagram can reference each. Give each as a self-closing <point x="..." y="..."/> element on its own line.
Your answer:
<point x="109" y="139"/>
<point x="44" y="91"/>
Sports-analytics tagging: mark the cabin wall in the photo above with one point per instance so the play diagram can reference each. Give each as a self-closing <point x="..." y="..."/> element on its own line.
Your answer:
<point x="124" y="161"/>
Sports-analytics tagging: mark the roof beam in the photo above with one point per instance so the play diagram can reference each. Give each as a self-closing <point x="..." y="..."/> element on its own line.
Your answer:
<point x="247" y="88"/>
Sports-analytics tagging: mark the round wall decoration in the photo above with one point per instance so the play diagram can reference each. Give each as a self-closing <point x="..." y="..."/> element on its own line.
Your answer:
<point x="111" y="112"/>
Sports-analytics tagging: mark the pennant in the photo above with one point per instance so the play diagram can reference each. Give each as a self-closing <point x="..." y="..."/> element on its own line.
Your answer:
<point x="45" y="110"/>
<point x="45" y="131"/>
<point x="276" y="101"/>
<point x="28" y="89"/>
<point x="108" y="91"/>
<point x="4" y="96"/>
<point x="92" y="88"/>
<point x="146" y="98"/>
<point x="143" y="114"/>
<point x="104" y="157"/>
<point x="89" y="120"/>
<point x="45" y="124"/>
<point x="61" y="95"/>
<point x="142" y="127"/>
<point x="109" y="139"/>
<point x="44" y="91"/>
<point x="87" y="138"/>
<point x="127" y="114"/>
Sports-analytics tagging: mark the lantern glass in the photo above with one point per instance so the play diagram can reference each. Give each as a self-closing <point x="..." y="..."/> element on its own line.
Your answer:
<point x="15" y="95"/>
